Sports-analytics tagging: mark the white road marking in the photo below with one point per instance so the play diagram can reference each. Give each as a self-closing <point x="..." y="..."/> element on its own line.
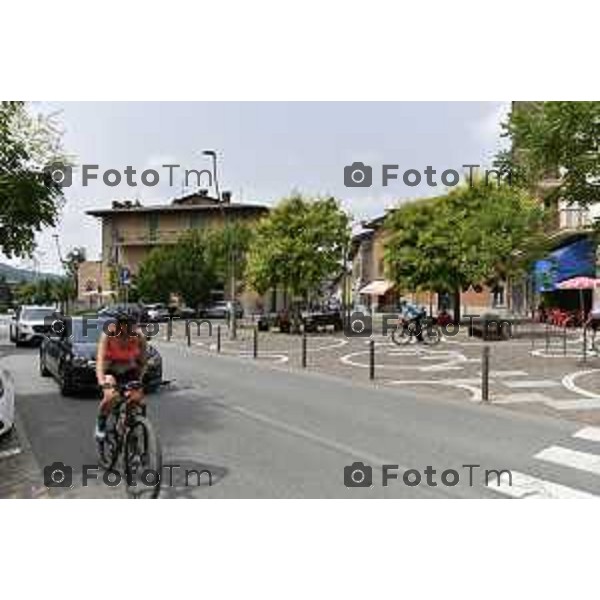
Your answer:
<point x="367" y="457"/>
<point x="574" y="459"/>
<point x="588" y="433"/>
<point x="575" y="404"/>
<point x="569" y="382"/>
<point x="10" y="452"/>
<point x="527" y="487"/>
<point x="527" y="383"/>
<point x="508" y="373"/>
<point x="521" y="397"/>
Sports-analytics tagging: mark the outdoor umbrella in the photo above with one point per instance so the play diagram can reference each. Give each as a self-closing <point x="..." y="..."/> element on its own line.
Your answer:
<point x="579" y="283"/>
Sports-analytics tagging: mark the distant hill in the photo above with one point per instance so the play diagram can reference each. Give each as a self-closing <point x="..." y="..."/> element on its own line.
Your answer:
<point x="14" y="274"/>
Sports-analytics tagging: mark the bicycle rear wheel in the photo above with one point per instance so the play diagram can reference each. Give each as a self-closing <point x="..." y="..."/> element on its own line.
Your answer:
<point x="143" y="460"/>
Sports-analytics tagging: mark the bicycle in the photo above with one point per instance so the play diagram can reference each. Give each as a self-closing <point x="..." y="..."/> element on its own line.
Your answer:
<point x="129" y="433"/>
<point x="407" y="330"/>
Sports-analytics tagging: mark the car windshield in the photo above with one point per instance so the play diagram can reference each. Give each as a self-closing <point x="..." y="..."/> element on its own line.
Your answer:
<point x="36" y="314"/>
<point x="86" y="331"/>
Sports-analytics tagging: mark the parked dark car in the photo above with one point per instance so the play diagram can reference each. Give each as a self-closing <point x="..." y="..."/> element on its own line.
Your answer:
<point x="157" y="313"/>
<point x="313" y="320"/>
<point x="184" y="312"/>
<point x="71" y="358"/>
<point x="111" y="311"/>
<point x="220" y="310"/>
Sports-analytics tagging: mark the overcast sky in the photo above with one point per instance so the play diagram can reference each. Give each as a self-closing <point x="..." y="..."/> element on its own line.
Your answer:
<point x="266" y="151"/>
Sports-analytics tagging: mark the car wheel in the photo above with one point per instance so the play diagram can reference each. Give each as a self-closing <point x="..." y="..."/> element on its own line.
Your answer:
<point x="65" y="386"/>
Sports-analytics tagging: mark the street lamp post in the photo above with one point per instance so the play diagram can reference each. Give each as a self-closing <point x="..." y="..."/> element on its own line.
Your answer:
<point x="231" y="257"/>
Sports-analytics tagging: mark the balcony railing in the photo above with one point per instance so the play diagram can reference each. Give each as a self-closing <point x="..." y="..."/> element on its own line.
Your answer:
<point x="161" y="236"/>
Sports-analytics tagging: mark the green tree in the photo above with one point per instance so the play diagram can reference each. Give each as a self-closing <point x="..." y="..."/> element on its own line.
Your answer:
<point x="299" y="245"/>
<point x="556" y="138"/>
<point x="475" y="234"/>
<point x="29" y="198"/>
<point x="228" y="248"/>
<point x="155" y="280"/>
<point x="187" y="268"/>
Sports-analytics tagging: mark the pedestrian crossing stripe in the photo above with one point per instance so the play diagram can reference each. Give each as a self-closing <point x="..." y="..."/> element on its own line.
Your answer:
<point x="574" y="459"/>
<point x="588" y="433"/>
<point x="526" y="487"/>
<point x="520" y="485"/>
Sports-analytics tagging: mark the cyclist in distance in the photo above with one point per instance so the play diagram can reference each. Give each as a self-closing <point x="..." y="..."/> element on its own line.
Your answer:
<point x="121" y="358"/>
<point x="411" y="313"/>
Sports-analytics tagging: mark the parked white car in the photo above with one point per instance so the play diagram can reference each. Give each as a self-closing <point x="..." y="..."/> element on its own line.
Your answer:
<point x="30" y="324"/>
<point x="7" y="402"/>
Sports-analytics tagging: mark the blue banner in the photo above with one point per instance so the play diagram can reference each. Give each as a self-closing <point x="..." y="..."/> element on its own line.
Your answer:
<point x="574" y="260"/>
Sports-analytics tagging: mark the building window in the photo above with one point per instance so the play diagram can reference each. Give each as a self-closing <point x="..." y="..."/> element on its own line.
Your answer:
<point x="195" y="221"/>
<point x="153" y="226"/>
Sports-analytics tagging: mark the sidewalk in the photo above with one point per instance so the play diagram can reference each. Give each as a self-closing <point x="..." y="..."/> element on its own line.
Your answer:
<point x="20" y="475"/>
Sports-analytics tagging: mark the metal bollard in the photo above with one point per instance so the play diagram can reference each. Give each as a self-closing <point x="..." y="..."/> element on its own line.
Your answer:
<point x="565" y="341"/>
<point x="304" y="350"/>
<point x="169" y="330"/>
<point x="371" y="360"/>
<point x="188" y="332"/>
<point x="485" y="374"/>
<point x="218" y="338"/>
<point x="255" y="343"/>
<point x="584" y="343"/>
<point x="547" y="337"/>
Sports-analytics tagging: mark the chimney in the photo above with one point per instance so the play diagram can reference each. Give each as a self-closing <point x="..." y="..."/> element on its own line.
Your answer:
<point x="226" y="197"/>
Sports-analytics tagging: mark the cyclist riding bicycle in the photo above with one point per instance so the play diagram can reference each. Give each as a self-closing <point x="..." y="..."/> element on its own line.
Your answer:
<point x="411" y="313"/>
<point x="121" y="359"/>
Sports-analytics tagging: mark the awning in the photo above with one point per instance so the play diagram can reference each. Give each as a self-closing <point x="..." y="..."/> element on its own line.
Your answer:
<point x="376" y="288"/>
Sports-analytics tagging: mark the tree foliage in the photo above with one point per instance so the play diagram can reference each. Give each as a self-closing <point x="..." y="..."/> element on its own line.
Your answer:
<point x="558" y="139"/>
<point x="29" y="198"/>
<point x="228" y="247"/>
<point x="299" y="245"/>
<point x="473" y="235"/>
<point x="45" y="291"/>
<point x="187" y="268"/>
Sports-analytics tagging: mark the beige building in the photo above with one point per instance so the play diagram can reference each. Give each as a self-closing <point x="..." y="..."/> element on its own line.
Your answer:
<point x="130" y="230"/>
<point x="370" y="287"/>
<point x="93" y="284"/>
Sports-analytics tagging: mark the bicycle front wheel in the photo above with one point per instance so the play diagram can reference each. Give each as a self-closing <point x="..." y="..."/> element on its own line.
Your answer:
<point x="401" y="336"/>
<point x="143" y="460"/>
<point x="431" y="336"/>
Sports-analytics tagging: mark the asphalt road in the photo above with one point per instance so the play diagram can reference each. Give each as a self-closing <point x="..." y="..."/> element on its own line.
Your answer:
<point x="267" y="432"/>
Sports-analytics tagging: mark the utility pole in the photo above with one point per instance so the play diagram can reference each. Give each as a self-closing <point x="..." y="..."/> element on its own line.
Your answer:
<point x="231" y="243"/>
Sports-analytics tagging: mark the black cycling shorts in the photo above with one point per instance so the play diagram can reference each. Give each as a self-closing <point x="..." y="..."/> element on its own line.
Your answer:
<point x="124" y="377"/>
